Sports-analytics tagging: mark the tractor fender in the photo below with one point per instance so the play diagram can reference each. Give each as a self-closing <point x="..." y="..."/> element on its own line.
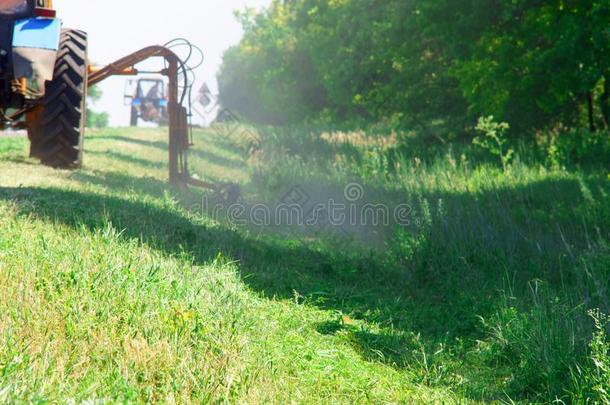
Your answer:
<point x="35" y="45"/>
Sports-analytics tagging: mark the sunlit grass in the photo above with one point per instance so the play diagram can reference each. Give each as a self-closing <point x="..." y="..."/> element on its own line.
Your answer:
<point x="112" y="291"/>
<point x="115" y="287"/>
<point x="498" y="276"/>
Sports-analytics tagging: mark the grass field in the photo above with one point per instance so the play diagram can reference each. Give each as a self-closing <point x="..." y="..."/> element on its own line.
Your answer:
<point x="116" y="288"/>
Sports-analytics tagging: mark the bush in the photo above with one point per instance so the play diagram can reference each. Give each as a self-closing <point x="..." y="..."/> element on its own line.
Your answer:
<point x="593" y="381"/>
<point x="493" y="139"/>
<point x="97" y="120"/>
<point x="568" y="147"/>
<point x="534" y="348"/>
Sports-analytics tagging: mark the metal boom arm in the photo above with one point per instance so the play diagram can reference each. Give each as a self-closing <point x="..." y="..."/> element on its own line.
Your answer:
<point x="178" y="115"/>
<point x="178" y="122"/>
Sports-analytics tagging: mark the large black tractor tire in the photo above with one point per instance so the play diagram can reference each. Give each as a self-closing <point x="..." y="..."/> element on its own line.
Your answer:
<point x="57" y="135"/>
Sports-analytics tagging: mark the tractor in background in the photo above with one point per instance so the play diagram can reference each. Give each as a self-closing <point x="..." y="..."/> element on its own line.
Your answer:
<point x="148" y="100"/>
<point x="45" y="74"/>
<point x="43" y="81"/>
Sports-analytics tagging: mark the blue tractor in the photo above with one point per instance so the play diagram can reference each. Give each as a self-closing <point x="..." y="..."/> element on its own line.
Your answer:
<point x="43" y="81"/>
<point x="148" y="100"/>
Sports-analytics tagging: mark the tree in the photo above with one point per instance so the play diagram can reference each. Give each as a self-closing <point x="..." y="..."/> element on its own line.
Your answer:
<point x="532" y="63"/>
<point x="95" y="119"/>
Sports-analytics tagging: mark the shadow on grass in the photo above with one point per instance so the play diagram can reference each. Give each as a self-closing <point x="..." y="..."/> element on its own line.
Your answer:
<point x="122" y="182"/>
<point x="393" y="349"/>
<point x="147" y="163"/>
<point x="163" y="146"/>
<point x="21" y="160"/>
<point x="147" y="143"/>
<point x="436" y="288"/>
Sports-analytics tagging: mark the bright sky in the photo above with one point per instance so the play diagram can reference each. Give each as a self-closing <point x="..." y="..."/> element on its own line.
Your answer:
<point x="119" y="27"/>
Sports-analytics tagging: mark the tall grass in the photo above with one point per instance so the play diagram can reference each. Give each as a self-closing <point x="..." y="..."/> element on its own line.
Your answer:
<point x="111" y="291"/>
<point x="115" y="289"/>
<point x="506" y="265"/>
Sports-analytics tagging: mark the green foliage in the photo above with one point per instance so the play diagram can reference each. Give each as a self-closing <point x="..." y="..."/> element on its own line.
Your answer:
<point x="513" y="252"/>
<point x="95" y="119"/>
<point x="94" y="93"/>
<point x="599" y="376"/>
<point x="534" y="348"/>
<point x="591" y="379"/>
<point x="316" y="60"/>
<point x="568" y="147"/>
<point x="115" y="288"/>
<point x="421" y="64"/>
<point x="494" y="139"/>
<point x="113" y="291"/>
<point x="527" y="62"/>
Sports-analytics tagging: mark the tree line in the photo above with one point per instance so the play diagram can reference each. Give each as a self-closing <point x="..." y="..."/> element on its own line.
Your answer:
<point x="418" y="63"/>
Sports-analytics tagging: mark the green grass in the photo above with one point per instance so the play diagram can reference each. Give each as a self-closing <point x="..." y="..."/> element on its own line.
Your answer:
<point x="117" y="288"/>
<point x="112" y="290"/>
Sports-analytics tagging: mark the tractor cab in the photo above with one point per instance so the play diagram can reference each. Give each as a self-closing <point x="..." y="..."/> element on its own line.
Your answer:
<point x="148" y="101"/>
<point x="43" y="80"/>
<point x="29" y="41"/>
